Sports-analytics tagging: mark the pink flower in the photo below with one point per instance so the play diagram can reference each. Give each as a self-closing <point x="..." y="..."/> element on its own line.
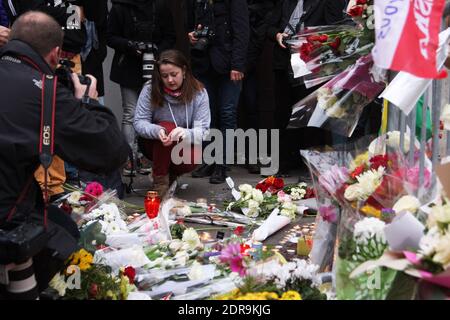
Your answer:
<point x="334" y="178"/>
<point x="283" y="197"/>
<point x="232" y="256"/>
<point x="328" y="213"/>
<point x="94" y="189"/>
<point x="412" y="177"/>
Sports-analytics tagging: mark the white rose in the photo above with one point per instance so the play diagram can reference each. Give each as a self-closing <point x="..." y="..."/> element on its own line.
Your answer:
<point x="191" y="237"/>
<point x="246" y="188"/>
<point x="175" y="245"/>
<point x="74" y="197"/>
<point x="58" y="283"/>
<point x="407" y="203"/>
<point x="442" y="255"/>
<point x="257" y="195"/>
<point x="251" y="212"/>
<point x="252" y="204"/>
<point x="441" y="213"/>
<point x="77" y="210"/>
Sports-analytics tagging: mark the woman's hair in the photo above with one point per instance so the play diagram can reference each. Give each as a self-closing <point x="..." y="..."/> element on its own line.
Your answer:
<point x="190" y="85"/>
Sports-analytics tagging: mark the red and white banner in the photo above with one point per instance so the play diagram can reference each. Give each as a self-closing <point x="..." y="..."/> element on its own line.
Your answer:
<point x="407" y="35"/>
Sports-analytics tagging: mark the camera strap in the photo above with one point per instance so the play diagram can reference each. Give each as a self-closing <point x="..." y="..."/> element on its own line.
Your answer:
<point x="46" y="140"/>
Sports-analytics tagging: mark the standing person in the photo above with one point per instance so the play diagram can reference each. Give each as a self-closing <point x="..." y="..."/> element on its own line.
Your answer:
<point x="219" y="39"/>
<point x="289" y="17"/>
<point x="133" y="23"/>
<point x="86" y="134"/>
<point x="175" y="107"/>
<point x="259" y="10"/>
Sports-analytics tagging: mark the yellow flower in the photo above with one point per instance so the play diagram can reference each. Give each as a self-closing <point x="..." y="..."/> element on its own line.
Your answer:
<point x="270" y="295"/>
<point x="84" y="266"/>
<point x="363" y="158"/>
<point x="291" y="295"/>
<point x="371" y="211"/>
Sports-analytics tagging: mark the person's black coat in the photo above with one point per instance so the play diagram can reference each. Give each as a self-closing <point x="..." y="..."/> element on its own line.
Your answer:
<point x="126" y="68"/>
<point x="97" y="11"/>
<point x="87" y="136"/>
<point x="317" y="13"/>
<point x="74" y="39"/>
<point x="228" y="49"/>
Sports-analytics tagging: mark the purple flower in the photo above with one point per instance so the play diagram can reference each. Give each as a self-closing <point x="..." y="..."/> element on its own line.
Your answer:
<point x="328" y="213"/>
<point x="232" y="256"/>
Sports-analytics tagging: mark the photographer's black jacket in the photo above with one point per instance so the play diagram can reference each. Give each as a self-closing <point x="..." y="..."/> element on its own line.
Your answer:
<point x="228" y="49"/>
<point x="87" y="136"/>
<point x="316" y="13"/>
<point x="74" y="39"/>
<point x="126" y="68"/>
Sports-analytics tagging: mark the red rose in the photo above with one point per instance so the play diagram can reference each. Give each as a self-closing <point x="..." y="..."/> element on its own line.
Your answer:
<point x="357" y="171"/>
<point x="130" y="273"/>
<point x="361" y="2"/>
<point x="323" y="38"/>
<point x="93" y="290"/>
<point x="336" y="43"/>
<point x="309" y="193"/>
<point x="356" y="11"/>
<point x="278" y="183"/>
<point x="305" y="51"/>
<point x="313" y="38"/>
<point x="239" y="230"/>
<point x="244" y="248"/>
<point x="261" y="186"/>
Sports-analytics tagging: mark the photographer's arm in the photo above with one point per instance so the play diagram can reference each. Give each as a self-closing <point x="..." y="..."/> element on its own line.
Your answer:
<point x="88" y="136"/>
<point x="143" y="117"/>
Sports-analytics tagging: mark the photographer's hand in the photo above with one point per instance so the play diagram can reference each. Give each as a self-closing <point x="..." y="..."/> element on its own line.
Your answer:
<point x="80" y="89"/>
<point x="236" y="75"/>
<point x="280" y="37"/>
<point x="192" y="39"/>
<point x="4" y="35"/>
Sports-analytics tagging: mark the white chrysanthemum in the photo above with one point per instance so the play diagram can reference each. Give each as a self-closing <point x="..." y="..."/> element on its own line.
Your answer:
<point x="58" y="283"/>
<point x="191" y="237"/>
<point x="367" y="183"/>
<point x="369" y="228"/>
<point x="441" y="213"/>
<point x="442" y="255"/>
<point x="407" y="203"/>
<point x="428" y="243"/>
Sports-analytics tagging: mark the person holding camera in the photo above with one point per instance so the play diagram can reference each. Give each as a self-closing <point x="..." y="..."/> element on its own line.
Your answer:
<point x="137" y="30"/>
<point x="219" y="42"/>
<point x="82" y="132"/>
<point x="173" y="109"/>
<point x="287" y="19"/>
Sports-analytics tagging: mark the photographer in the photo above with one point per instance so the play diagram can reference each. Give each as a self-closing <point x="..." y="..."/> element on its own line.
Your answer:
<point x="219" y="39"/>
<point x="288" y="18"/>
<point x="137" y="30"/>
<point x="85" y="134"/>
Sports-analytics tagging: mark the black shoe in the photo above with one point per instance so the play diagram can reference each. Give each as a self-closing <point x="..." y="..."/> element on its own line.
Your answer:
<point x="219" y="175"/>
<point x="204" y="170"/>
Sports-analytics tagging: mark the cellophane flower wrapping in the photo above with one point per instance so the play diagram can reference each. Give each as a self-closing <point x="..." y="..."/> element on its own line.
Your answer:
<point x="337" y="105"/>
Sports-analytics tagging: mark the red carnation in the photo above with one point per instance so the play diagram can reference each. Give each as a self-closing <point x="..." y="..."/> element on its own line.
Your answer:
<point x="130" y="273"/>
<point x="357" y="171"/>
<point x="378" y="161"/>
<point x="356" y="11"/>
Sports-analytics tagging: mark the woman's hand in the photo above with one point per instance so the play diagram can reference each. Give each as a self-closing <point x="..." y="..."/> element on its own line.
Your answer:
<point x="177" y="134"/>
<point x="280" y="37"/>
<point x="164" y="138"/>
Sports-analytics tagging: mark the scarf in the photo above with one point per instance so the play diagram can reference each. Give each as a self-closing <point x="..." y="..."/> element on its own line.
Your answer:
<point x="173" y="93"/>
<point x="293" y="25"/>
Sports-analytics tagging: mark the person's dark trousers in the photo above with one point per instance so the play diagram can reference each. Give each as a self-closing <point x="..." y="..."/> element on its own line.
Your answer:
<point x="286" y="96"/>
<point x="223" y="100"/>
<point x="250" y="105"/>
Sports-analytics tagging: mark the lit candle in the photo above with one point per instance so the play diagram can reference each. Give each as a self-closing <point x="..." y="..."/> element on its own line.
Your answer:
<point x="151" y="204"/>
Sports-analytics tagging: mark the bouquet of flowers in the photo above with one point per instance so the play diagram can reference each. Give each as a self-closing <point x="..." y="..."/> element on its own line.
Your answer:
<point x="337" y="105"/>
<point x="83" y="279"/>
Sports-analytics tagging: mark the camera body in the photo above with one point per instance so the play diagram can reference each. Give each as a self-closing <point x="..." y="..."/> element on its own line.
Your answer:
<point x="20" y="241"/>
<point x="204" y="35"/>
<point x="148" y="59"/>
<point x="64" y="72"/>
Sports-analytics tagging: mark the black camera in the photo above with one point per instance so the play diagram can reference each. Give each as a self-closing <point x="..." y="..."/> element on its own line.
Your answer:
<point x="204" y="36"/>
<point x="20" y="241"/>
<point x="64" y="74"/>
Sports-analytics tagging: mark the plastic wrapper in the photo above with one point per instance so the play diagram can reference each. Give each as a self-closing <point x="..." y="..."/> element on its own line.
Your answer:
<point x="326" y="51"/>
<point x="338" y="104"/>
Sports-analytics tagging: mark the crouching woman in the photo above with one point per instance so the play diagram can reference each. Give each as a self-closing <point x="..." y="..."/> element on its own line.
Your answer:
<point x="174" y="109"/>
